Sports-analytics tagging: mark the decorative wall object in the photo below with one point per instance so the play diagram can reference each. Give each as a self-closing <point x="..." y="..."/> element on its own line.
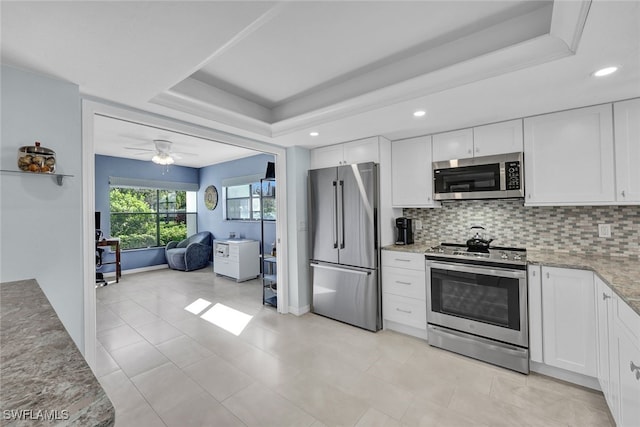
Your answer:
<point x="558" y="228"/>
<point x="211" y="197"/>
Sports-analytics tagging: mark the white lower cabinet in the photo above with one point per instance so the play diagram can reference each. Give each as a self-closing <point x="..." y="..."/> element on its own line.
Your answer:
<point x="606" y="350"/>
<point x="404" y="306"/>
<point x="238" y="259"/>
<point x="535" y="313"/>
<point x="626" y="372"/>
<point x="568" y="320"/>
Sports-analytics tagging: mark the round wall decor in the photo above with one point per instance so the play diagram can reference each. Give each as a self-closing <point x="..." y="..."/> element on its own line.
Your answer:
<point x="211" y="197"/>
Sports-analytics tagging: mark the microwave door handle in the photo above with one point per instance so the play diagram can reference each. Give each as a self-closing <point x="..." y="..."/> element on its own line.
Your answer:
<point x="503" y="176"/>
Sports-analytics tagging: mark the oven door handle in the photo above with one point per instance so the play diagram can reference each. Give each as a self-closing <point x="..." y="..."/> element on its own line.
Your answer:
<point x="487" y="271"/>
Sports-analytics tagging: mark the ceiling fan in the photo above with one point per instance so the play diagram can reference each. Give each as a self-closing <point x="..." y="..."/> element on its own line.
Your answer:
<point x="163" y="154"/>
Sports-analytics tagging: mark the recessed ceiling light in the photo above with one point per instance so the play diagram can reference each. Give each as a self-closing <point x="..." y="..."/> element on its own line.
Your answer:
<point x="605" y="71"/>
<point x="419" y="113"/>
<point x="314" y="133"/>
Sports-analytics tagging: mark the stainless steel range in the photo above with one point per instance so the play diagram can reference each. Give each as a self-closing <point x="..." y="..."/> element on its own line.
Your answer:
<point x="477" y="302"/>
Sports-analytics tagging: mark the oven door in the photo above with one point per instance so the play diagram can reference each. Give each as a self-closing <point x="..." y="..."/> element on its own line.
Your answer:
<point x="489" y="302"/>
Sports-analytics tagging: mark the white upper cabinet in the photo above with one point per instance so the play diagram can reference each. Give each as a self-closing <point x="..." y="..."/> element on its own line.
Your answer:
<point x="360" y="151"/>
<point x="453" y="145"/>
<point x="487" y="140"/>
<point x="411" y="172"/>
<point x="498" y="138"/>
<point x="568" y="320"/>
<point x="569" y="157"/>
<point x="627" y="142"/>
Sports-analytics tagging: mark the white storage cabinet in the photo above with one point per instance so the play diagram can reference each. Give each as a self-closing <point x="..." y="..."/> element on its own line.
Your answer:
<point x="404" y="306"/>
<point x="607" y="355"/>
<point x="626" y="372"/>
<point x="569" y="157"/>
<point x="534" y="284"/>
<point x="487" y="140"/>
<point x="237" y="259"/>
<point x="412" y="173"/>
<point x="627" y="147"/>
<point x="360" y="151"/>
<point x="568" y="320"/>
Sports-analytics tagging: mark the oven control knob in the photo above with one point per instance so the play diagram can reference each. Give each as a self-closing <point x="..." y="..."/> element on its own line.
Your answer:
<point x="517" y="257"/>
<point x="503" y="255"/>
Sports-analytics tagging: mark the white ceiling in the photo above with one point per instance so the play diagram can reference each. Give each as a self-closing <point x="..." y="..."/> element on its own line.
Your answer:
<point x="274" y="71"/>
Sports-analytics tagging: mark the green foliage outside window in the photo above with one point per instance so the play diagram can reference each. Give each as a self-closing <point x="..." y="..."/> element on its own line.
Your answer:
<point x="144" y="218"/>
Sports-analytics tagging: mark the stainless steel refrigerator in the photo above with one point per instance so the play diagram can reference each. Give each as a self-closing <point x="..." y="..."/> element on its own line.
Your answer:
<point x="345" y="253"/>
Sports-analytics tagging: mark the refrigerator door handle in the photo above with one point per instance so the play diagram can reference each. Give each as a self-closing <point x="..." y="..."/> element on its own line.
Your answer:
<point x="346" y="270"/>
<point x="341" y="214"/>
<point x="334" y="230"/>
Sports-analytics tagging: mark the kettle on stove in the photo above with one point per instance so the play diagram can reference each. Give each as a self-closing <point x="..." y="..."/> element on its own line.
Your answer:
<point x="478" y="242"/>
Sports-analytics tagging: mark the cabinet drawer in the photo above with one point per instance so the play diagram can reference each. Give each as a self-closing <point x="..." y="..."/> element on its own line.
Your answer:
<point x="226" y="267"/>
<point x="403" y="282"/>
<point x="412" y="261"/>
<point x="407" y="311"/>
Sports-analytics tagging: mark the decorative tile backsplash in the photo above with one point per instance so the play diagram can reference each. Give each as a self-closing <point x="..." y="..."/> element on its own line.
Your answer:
<point x="558" y="228"/>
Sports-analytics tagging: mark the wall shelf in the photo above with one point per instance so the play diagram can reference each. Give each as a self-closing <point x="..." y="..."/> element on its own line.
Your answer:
<point x="58" y="176"/>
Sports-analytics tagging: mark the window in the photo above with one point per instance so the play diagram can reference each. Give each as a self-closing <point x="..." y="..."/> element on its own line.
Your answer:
<point x="242" y="202"/>
<point x="144" y="217"/>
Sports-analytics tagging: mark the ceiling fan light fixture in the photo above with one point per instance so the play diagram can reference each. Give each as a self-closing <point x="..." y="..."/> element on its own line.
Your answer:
<point x="162" y="159"/>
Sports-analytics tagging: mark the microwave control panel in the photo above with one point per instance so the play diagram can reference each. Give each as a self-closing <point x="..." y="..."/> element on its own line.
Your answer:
<point x="513" y="175"/>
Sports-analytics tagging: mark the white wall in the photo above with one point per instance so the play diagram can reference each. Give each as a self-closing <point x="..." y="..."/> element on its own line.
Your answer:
<point x="299" y="285"/>
<point x="41" y="222"/>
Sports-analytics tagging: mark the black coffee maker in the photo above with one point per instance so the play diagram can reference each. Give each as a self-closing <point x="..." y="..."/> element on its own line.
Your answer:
<point x="404" y="231"/>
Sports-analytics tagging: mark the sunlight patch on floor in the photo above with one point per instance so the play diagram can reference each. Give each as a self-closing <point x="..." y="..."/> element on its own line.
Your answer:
<point x="227" y="318"/>
<point x="198" y="306"/>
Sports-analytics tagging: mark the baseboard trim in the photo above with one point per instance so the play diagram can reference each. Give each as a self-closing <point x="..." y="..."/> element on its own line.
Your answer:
<point x="299" y="311"/>
<point x="137" y="270"/>
<point x="564" y="375"/>
<point x="404" y="329"/>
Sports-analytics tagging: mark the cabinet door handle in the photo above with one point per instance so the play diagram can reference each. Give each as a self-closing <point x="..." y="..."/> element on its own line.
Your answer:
<point x="533" y="273"/>
<point x="605" y="296"/>
<point x="469" y="151"/>
<point x="402" y="283"/>
<point x="477" y="150"/>
<point x="548" y="276"/>
<point x="403" y="311"/>
<point x="623" y="195"/>
<point x="635" y="368"/>
<point x="403" y="260"/>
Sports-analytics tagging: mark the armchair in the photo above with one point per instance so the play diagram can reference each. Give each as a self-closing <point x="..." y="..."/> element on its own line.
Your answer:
<point x="191" y="253"/>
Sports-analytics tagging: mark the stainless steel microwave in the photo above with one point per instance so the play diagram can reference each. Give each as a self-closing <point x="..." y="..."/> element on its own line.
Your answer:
<point x="489" y="177"/>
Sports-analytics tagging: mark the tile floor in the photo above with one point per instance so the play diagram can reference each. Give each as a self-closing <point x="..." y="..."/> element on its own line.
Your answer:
<point x="162" y="365"/>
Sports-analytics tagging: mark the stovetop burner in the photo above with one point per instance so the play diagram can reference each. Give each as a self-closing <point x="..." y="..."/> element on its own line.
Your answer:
<point x="493" y="254"/>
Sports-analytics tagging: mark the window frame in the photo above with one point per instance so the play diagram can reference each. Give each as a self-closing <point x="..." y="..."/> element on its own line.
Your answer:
<point x="160" y="213"/>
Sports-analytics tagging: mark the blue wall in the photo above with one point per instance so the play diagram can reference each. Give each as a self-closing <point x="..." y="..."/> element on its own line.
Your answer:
<point x="107" y="166"/>
<point x="213" y="220"/>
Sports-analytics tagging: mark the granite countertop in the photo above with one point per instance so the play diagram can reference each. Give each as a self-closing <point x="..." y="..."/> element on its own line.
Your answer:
<point x="622" y="274"/>
<point x="45" y="379"/>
